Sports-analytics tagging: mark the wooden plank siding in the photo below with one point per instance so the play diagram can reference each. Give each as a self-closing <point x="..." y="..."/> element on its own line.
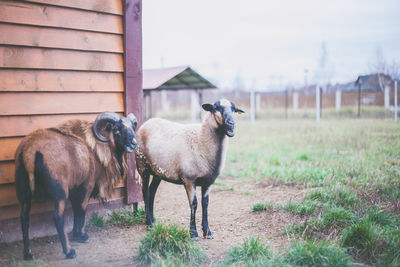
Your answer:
<point x="32" y="36"/>
<point x="59" y="60"/>
<point x="40" y="58"/>
<point x="59" y="17"/>
<point x="59" y="103"/>
<point x="60" y="81"/>
<point x="106" y="6"/>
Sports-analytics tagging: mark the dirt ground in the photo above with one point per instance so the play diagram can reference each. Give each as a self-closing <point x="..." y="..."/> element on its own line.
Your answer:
<point x="230" y="218"/>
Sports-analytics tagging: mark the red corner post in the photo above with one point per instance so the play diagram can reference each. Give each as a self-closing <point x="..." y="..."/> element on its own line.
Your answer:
<point x="133" y="73"/>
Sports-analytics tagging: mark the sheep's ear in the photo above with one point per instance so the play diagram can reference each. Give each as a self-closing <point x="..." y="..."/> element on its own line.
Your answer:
<point x="208" y="107"/>
<point x="239" y="111"/>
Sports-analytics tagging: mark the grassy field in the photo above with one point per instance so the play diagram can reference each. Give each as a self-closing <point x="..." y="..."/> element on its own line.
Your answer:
<point x="351" y="168"/>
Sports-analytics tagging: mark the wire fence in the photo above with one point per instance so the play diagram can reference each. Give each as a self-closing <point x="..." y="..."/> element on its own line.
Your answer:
<point x="289" y="104"/>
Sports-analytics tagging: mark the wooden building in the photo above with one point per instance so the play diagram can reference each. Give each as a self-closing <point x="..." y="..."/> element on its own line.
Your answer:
<point x="61" y="60"/>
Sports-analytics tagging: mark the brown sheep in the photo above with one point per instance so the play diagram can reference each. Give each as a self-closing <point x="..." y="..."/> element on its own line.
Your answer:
<point x="192" y="155"/>
<point x="76" y="160"/>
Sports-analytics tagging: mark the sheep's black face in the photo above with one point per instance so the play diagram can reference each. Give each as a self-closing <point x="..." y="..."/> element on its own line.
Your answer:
<point x="124" y="134"/>
<point x="223" y="110"/>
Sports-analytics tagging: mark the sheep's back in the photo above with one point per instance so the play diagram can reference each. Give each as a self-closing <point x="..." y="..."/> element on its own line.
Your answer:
<point x="168" y="147"/>
<point x="66" y="157"/>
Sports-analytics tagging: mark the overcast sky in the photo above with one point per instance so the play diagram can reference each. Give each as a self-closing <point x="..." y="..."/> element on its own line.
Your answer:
<point x="267" y="43"/>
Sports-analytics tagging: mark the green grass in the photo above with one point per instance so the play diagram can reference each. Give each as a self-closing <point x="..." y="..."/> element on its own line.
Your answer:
<point x="252" y="250"/>
<point x="97" y="220"/>
<point x="263" y="206"/>
<point x="127" y="217"/>
<point x="346" y="152"/>
<point x="311" y="253"/>
<point x="171" y="244"/>
<point x="302" y="208"/>
<point x="352" y="167"/>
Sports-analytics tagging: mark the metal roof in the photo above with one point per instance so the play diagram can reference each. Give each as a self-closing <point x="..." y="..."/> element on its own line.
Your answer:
<point x="374" y="81"/>
<point x="176" y="78"/>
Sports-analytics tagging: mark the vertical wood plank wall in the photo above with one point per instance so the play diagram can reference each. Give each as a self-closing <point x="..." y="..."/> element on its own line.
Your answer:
<point x="59" y="60"/>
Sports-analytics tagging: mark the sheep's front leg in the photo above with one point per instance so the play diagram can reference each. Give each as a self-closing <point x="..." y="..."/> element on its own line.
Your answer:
<point x="191" y="194"/>
<point x="205" y="192"/>
<point x="79" y="199"/>
<point x="153" y="190"/>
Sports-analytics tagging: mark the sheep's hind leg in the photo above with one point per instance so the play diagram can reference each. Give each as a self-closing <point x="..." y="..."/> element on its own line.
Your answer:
<point x="25" y="197"/>
<point x="205" y="190"/>
<point x="191" y="194"/>
<point x="153" y="190"/>
<point x="25" y="209"/>
<point x="59" y="222"/>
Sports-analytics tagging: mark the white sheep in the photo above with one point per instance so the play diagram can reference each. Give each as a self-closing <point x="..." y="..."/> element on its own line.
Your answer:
<point x="192" y="155"/>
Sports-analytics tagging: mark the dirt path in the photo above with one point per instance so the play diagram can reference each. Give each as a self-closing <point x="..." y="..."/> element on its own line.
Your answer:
<point x="230" y="219"/>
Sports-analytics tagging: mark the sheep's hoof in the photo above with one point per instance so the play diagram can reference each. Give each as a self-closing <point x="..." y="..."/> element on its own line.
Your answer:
<point x="71" y="254"/>
<point x="28" y="256"/>
<point x="81" y="238"/>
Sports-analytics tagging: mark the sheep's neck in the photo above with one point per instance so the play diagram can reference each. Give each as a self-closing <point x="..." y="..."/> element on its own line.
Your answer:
<point x="215" y="137"/>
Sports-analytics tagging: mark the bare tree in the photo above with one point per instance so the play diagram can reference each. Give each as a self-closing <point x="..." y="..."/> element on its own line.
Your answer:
<point x="381" y="66"/>
<point x="394" y="70"/>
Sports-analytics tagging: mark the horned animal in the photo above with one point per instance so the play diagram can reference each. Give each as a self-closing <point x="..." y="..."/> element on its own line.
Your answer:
<point x="191" y="154"/>
<point x="75" y="160"/>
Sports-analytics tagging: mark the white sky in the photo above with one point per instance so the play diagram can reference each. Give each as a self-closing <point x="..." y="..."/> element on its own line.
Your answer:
<point x="266" y="43"/>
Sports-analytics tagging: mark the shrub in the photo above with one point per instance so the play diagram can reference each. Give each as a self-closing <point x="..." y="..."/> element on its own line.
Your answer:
<point x="170" y="242"/>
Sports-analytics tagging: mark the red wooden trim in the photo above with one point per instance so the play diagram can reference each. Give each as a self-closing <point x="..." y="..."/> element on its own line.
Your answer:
<point x="133" y="83"/>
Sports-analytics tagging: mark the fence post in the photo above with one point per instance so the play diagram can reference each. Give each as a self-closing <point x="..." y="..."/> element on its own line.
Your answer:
<point x="359" y="100"/>
<point x="387" y="97"/>
<point x="317" y="103"/>
<point x="258" y="102"/>
<point x="286" y="103"/>
<point x="338" y="99"/>
<point x="252" y="105"/>
<point x="395" y="101"/>
<point x="295" y="100"/>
